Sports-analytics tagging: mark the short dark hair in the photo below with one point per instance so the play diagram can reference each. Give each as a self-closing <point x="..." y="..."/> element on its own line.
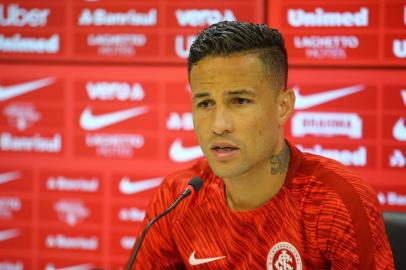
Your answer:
<point x="231" y="37"/>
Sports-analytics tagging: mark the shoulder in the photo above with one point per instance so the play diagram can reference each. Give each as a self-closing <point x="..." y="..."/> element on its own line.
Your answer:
<point x="327" y="190"/>
<point x="329" y="177"/>
<point x="344" y="209"/>
<point x="317" y="179"/>
<point x="325" y="186"/>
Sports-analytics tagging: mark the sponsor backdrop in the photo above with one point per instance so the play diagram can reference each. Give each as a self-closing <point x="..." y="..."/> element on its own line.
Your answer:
<point x="95" y="110"/>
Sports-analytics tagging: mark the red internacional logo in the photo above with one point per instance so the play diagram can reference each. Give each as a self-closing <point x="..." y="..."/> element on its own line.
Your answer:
<point x="284" y="256"/>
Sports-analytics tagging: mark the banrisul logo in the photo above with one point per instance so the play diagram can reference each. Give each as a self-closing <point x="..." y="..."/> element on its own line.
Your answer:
<point x="321" y="18"/>
<point x="132" y="17"/>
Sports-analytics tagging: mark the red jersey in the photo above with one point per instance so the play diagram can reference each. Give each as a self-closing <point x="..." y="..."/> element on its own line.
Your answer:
<point x="324" y="217"/>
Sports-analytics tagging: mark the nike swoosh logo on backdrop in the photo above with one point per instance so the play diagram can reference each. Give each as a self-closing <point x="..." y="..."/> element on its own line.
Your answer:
<point x="128" y="187"/>
<point x="179" y="153"/>
<point x="88" y="121"/>
<point x="9" y="176"/>
<point x="399" y="130"/>
<point x="86" y="266"/>
<point x="8" y="92"/>
<point x="311" y="100"/>
<point x="8" y="234"/>
<point x="194" y="261"/>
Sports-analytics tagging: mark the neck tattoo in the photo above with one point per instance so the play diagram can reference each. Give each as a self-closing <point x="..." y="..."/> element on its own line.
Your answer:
<point x="280" y="161"/>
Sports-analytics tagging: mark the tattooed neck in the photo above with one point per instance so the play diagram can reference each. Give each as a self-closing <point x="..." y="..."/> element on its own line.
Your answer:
<point x="280" y="162"/>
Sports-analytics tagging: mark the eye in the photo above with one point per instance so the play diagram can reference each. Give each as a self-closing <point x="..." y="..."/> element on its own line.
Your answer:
<point x="204" y="104"/>
<point x="240" y="101"/>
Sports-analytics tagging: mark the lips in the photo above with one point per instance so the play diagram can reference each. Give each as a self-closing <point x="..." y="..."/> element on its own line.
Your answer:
<point x="223" y="147"/>
<point x="224" y="151"/>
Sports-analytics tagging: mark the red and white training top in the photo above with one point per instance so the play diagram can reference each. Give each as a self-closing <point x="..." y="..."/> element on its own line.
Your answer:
<point x="324" y="217"/>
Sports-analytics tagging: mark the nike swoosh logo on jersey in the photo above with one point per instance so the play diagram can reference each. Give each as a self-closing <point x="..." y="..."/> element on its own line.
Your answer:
<point x="128" y="187"/>
<point x="8" y="234"/>
<point x="194" y="261"/>
<point x="8" y="92"/>
<point x="179" y="153"/>
<point x="399" y="130"/>
<point x="309" y="101"/>
<point x="403" y="94"/>
<point x="9" y="176"/>
<point x="88" y="121"/>
<point x="86" y="266"/>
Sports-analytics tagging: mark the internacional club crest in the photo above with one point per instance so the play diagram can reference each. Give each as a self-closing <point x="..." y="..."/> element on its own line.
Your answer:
<point x="284" y="256"/>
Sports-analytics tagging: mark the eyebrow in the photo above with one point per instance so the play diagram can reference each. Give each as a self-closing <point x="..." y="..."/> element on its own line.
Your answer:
<point x="231" y="93"/>
<point x="241" y="92"/>
<point x="201" y="95"/>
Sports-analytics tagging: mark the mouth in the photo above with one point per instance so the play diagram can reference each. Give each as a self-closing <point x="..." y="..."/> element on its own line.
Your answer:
<point x="224" y="150"/>
<point x="223" y="146"/>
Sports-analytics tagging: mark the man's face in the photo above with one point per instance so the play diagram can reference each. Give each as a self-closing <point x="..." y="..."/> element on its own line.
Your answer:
<point x="238" y="117"/>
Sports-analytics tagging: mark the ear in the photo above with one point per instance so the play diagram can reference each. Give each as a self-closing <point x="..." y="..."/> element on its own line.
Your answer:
<point x="286" y="105"/>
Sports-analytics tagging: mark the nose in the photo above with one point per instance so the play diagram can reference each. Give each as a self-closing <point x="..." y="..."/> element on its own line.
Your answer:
<point x="222" y="122"/>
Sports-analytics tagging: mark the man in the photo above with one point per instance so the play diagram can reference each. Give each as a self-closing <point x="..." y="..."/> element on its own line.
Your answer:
<point x="263" y="203"/>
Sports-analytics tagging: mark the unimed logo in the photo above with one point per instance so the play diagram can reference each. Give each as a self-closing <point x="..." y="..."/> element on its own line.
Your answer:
<point x="357" y="157"/>
<point x="19" y="44"/>
<point x="321" y="18"/>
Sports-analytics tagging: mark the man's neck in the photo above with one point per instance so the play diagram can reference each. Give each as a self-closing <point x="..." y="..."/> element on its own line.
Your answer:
<point x="253" y="191"/>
